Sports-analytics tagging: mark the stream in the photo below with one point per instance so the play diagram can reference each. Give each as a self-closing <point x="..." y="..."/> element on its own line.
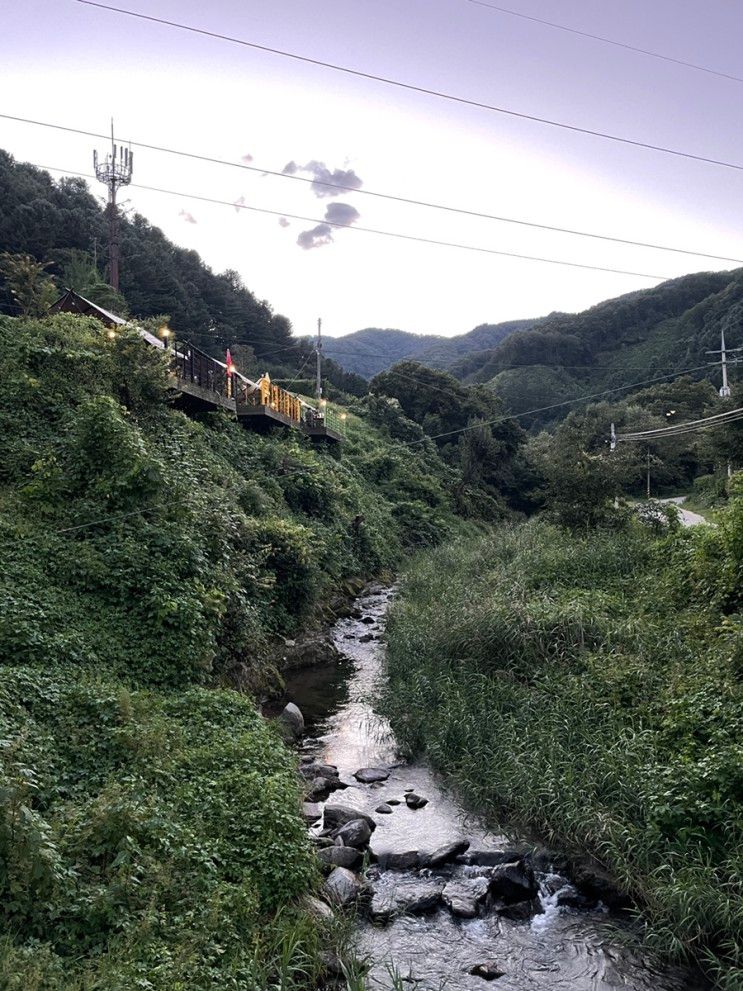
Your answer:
<point x="559" y="947"/>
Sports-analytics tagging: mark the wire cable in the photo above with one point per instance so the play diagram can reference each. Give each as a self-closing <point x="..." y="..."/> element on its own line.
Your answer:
<point x="566" y="402"/>
<point x="426" y="204"/>
<point x="608" y="41"/>
<point x="372" y="230"/>
<point x="411" y="87"/>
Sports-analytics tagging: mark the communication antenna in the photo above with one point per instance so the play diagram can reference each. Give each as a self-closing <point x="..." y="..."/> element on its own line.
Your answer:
<point x="114" y="171"/>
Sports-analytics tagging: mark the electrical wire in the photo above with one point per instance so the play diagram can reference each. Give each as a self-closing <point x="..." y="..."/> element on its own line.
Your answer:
<point x="607" y="41"/>
<point x="372" y="230"/>
<point x="411" y="87"/>
<point x="566" y="402"/>
<point x="679" y="428"/>
<point x="427" y="204"/>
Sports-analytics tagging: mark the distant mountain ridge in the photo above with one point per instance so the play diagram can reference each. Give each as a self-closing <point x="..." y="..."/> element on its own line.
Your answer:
<point x="633" y="338"/>
<point x="373" y="350"/>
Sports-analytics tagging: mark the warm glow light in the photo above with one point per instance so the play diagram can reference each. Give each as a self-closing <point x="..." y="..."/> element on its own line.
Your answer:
<point x="165" y="332"/>
<point x="111" y="335"/>
<point x="323" y="402"/>
<point x="343" y="416"/>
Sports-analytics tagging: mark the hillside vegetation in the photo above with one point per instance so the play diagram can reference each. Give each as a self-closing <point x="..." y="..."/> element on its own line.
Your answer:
<point x="149" y="828"/>
<point x="654" y="332"/>
<point x="587" y="685"/>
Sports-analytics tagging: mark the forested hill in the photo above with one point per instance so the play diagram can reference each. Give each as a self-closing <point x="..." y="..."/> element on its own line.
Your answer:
<point x="61" y="221"/>
<point x="371" y="351"/>
<point x="630" y="339"/>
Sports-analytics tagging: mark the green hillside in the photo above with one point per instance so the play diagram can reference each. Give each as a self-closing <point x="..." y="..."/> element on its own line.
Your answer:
<point x="149" y="829"/>
<point x="644" y="334"/>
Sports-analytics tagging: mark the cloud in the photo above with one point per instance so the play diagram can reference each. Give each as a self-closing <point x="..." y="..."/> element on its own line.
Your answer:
<point x="322" y="175"/>
<point x="188" y="217"/>
<point x="247" y="158"/>
<point x="338" y="177"/>
<point x="341" y="213"/>
<point x="315" y="238"/>
<point x="239" y="202"/>
<point x="283" y="222"/>
<point x="335" y="213"/>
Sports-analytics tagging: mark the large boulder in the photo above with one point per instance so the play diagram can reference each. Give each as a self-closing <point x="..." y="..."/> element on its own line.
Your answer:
<point x="342" y="887"/>
<point x="311" y="769"/>
<point x="410" y="898"/>
<point x="318" y="790"/>
<point x="355" y="833"/>
<point x="513" y="883"/>
<point x="368" y="775"/>
<point x="341" y="856"/>
<point x="414" y="801"/>
<point x="393" y="861"/>
<point x="318" y="909"/>
<point x="311" y="812"/>
<point x="463" y="896"/>
<point x="338" y="815"/>
<point x="489" y="858"/>
<point x="292" y="720"/>
<point x="307" y="652"/>
<point x="445" y="854"/>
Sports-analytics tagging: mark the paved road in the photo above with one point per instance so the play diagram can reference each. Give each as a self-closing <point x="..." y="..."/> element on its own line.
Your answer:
<point x="687" y="517"/>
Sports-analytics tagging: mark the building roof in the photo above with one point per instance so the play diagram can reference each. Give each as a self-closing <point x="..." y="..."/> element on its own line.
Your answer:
<point x="72" y="302"/>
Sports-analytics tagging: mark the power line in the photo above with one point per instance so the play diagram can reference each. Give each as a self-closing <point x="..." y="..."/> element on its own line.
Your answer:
<point x="438" y="94"/>
<point x="427" y="204"/>
<point x="607" y="41"/>
<point x="680" y="428"/>
<point x="372" y="230"/>
<point x="566" y="402"/>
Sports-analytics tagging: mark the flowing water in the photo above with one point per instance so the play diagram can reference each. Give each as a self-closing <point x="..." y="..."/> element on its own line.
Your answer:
<point x="560" y="948"/>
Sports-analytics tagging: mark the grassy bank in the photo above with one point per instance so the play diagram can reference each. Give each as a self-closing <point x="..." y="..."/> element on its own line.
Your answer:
<point x="149" y="827"/>
<point x="590" y="688"/>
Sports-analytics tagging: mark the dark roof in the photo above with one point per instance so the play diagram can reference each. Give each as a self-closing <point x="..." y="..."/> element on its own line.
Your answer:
<point x="72" y="302"/>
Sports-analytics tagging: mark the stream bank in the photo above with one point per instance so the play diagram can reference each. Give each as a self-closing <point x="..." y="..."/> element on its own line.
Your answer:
<point x="444" y="900"/>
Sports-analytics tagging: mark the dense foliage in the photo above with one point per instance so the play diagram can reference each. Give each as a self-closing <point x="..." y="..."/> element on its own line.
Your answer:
<point x="149" y="832"/>
<point x="590" y="687"/>
<point x="468" y="427"/>
<point x="64" y="224"/>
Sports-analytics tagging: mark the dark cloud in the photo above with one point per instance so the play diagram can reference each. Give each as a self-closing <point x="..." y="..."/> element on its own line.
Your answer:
<point x="335" y="213"/>
<point x="283" y="222"/>
<point x="188" y="217"/>
<point x="315" y="238"/>
<point x="338" y="177"/>
<point x="341" y="213"/>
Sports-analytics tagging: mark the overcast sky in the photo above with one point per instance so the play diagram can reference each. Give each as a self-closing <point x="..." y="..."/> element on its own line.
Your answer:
<point x="77" y="65"/>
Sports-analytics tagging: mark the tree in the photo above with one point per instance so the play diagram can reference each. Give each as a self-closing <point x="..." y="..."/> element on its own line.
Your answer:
<point x="31" y="289"/>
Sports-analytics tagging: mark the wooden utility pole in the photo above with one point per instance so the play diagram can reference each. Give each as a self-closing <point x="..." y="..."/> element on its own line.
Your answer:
<point x="318" y="355"/>
<point x="114" y="171"/>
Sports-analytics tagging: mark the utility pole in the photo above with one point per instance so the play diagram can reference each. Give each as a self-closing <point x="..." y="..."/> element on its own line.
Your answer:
<point x="114" y="171"/>
<point x="648" y="485"/>
<point x="318" y="355"/>
<point x="723" y="352"/>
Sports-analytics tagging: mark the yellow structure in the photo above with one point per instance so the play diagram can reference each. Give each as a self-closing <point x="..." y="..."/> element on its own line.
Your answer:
<point x="279" y="399"/>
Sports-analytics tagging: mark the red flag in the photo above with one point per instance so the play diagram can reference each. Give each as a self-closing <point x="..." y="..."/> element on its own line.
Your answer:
<point x="230" y="364"/>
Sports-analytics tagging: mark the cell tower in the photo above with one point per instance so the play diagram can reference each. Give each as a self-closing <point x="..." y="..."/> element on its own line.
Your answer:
<point x="114" y="171"/>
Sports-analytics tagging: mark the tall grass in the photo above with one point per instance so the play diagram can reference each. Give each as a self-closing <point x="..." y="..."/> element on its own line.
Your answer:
<point x="561" y="685"/>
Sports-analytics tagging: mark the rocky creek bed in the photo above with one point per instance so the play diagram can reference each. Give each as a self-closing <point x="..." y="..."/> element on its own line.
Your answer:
<point x="441" y="899"/>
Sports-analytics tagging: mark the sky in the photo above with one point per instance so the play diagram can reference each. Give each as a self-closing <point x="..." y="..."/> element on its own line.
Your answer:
<point x="78" y="66"/>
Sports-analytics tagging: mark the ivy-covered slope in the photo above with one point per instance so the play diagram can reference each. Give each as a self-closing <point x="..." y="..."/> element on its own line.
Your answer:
<point x="149" y="826"/>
